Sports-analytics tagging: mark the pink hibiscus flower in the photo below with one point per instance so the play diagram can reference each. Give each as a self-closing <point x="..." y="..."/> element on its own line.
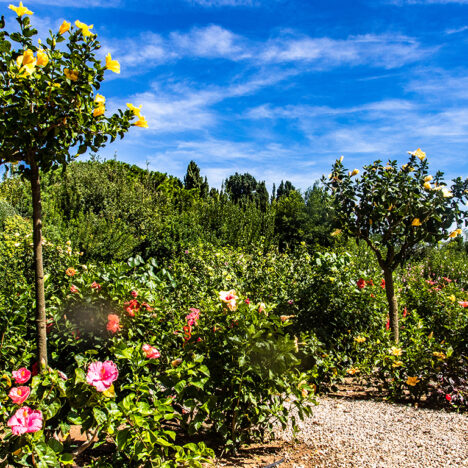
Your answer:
<point x="19" y="394"/>
<point x="101" y="375"/>
<point x="151" y="352"/>
<point x="22" y="375"/>
<point x="25" y="420"/>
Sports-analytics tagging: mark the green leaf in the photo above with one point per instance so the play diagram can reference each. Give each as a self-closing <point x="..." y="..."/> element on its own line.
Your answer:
<point x="66" y="459"/>
<point x="99" y="415"/>
<point x="55" y="445"/>
<point x="122" y="438"/>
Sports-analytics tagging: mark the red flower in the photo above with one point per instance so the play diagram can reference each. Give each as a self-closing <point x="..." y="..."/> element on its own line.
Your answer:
<point x="247" y="301"/>
<point x="130" y="311"/>
<point x="96" y="286"/>
<point x="382" y="284"/>
<point x="405" y="312"/>
<point x="446" y="279"/>
<point x="387" y="325"/>
<point x="73" y="289"/>
<point x="361" y="283"/>
<point x="113" y="324"/>
<point x="134" y="293"/>
<point x="463" y="303"/>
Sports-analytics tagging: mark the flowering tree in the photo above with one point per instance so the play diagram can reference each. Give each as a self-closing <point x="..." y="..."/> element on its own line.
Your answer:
<point x="50" y="113"/>
<point x="394" y="210"/>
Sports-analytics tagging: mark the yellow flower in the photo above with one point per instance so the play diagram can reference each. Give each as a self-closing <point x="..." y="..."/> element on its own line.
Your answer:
<point x="452" y="298"/>
<point x="112" y="65"/>
<point x="71" y="74"/>
<point x="99" y="110"/>
<point x="439" y="355"/>
<point x="428" y="178"/>
<point x="355" y="172"/>
<point x="396" y="351"/>
<point x="110" y="392"/>
<point x="26" y="62"/>
<point x="27" y="58"/>
<point x="416" y="222"/>
<point x="360" y="339"/>
<point x="336" y="232"/>
<point x="64" y="27"/>
<point x="412" y="381"/>
<point x="447" y="193"/>
<point x="176" y="362"/>
<point x="418" y="153"/>
<point x="427" y="186"/>
<point x="352" y="371"/>
<point x="136" y="110"/>
<point x="141" y="122"/>
<point x="397" y="364"/>
<point x="20" y="10"/>
<point x="42" y="58"/>
<point x="85" y="29"/>
<point x="455" y="233"/>
<point x="387" y="168"/>
<point x="99" y="99"/>
<point x="341" y="159"/>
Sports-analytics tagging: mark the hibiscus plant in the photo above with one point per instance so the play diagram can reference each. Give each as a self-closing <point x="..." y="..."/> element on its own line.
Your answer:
<point x="51" y="113"/>
<point x="394" y="210"/>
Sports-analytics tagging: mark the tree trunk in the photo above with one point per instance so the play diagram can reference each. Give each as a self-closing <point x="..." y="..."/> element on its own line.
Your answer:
<point x="41" y="334"/>
<point x="392" y="303"/>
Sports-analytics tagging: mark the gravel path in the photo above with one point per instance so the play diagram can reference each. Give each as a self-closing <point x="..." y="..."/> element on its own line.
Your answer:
<point x="363" y="433"/>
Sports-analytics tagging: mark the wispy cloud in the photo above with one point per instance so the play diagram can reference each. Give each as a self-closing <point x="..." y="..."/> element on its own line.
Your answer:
<point x="425" y="2"/>
<point x="223" y="3"/>
<point x="73" y="3"/>
<point x="215" y="42"/>
<point x="456" y="30"/>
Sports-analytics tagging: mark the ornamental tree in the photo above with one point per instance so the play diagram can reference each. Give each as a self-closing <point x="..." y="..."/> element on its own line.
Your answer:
<point x="50" y="113"/>
<point x="394" y="210"/>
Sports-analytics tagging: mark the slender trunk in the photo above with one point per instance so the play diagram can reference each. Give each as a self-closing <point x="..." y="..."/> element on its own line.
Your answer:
<point x="41" y="334"/>
<point x="392" y="303"/>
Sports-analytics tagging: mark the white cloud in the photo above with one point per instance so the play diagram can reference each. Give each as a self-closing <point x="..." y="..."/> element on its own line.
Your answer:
<point x="456" y="30"/>
<point x="222" y="3"/>
<point x="73" y="3"/>
<point x="215" y="42"/>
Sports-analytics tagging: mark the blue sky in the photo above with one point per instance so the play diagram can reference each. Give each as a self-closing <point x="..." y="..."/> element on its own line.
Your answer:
<point x="281" y="88"/>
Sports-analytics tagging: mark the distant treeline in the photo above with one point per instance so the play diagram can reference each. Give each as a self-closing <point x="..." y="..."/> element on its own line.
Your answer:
<point x="111" y="210"/>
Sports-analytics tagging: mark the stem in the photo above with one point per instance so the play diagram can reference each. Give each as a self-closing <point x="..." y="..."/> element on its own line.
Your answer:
<point x="392" y="303"/>
<point x="86" y="444"/>
<point x="41" y="334"/>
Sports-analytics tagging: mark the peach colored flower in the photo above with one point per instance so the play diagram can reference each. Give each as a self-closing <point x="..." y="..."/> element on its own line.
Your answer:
<point x="19" y="394"/>
<point x="25" y="420"/>
<point x="113" y="324"/>
<point x="101" y="375"/>
<point x="22" y="375"/>
<point x="96" y="286"/>
<point x="151" y="352"/>
<point x="70" y="271"/>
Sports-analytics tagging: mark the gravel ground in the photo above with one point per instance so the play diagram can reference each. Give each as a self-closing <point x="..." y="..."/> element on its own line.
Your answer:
<point x="363" y="433"/>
